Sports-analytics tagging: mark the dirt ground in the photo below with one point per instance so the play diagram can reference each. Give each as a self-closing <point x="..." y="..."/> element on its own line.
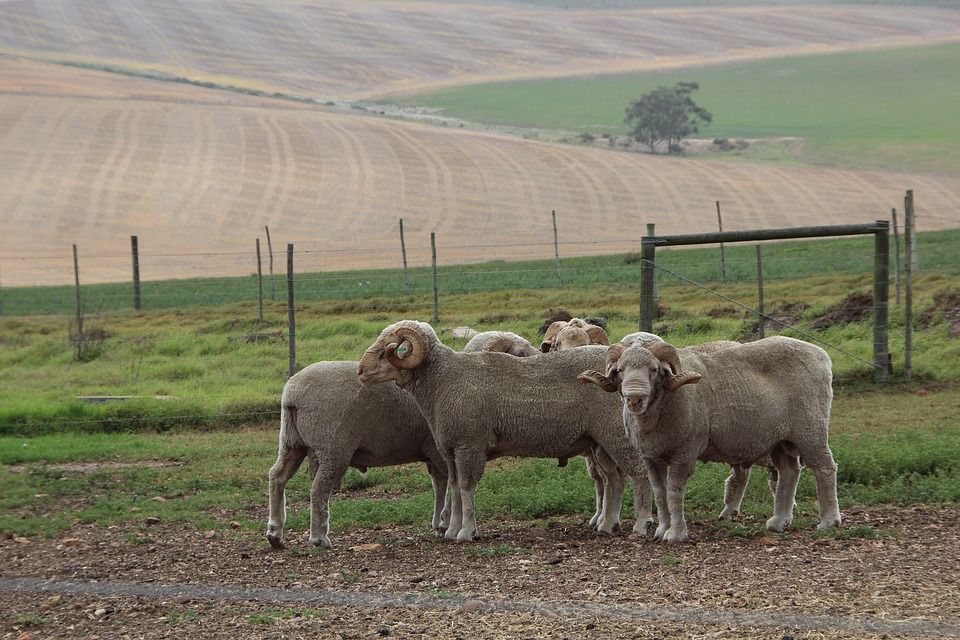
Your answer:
<point x="894" y="574"/>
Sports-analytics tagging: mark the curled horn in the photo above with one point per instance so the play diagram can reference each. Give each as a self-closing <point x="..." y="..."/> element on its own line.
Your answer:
<point x="508" y="344"/>
<point x="597" y="378"/>
<point x="614" y="352"/>
<point x="410" y="340"/>
<point x="668" y="353"/>
<point x="550" y="334"/>
<point x="597" y="334"/>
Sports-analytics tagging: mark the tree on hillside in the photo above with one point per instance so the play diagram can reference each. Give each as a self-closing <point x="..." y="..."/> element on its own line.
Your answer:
<point x="667" y="114"/>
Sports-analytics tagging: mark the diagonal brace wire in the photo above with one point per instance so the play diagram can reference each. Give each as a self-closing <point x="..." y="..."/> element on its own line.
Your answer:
<point x="771" y="319"/>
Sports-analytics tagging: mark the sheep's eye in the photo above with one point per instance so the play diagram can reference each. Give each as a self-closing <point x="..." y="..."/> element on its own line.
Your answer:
<point x="614" y="373"/>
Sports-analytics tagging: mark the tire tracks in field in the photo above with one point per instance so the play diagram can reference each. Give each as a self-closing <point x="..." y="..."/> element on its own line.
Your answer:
<point x="551" y="608"/>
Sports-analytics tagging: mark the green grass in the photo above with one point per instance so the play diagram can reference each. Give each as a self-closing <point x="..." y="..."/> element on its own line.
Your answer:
<point x="211" y="366"/>
<point x="893" y="108"/>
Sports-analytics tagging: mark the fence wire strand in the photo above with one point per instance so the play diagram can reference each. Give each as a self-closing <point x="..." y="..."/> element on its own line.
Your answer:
<point x="763" y="315"/>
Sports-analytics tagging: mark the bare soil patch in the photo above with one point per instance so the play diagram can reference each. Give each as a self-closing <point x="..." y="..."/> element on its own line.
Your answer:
<point x="895" y="576"/>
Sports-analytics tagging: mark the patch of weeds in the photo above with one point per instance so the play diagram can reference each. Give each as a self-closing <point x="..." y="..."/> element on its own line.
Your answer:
<point x="30" y="619"/>
<point x="175" y="617"/>
<point x="499" y="550"/>
<point x="135" y="539"/>
<point x="350" y="577"/>
<point x="860" y="531"/>
<point x="668" y="560"/>
<point x="293" y="576"/>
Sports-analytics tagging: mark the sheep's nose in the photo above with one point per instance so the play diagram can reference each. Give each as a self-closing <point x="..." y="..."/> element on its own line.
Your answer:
<point x="635" y="402"/>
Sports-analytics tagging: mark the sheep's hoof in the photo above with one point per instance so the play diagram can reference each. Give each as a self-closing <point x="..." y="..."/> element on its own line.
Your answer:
<point x="641" y="526"/>
<point x="728" y="515"/>
<point x="322" y="541"/>
<point x="673" y="537"/>
<point x="275" y="541"/>
<point x="829" y="523"/>
<point x="777" y="525"/>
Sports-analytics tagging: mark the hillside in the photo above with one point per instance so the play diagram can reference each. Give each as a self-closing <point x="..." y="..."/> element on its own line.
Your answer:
<point x="91" y="157"/>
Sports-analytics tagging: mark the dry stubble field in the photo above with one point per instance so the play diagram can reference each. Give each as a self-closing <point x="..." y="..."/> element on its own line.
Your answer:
<point x="92" y="158"/>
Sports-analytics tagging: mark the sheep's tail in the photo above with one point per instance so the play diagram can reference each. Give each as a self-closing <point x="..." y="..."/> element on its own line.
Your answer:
<point x="289" y="435"/>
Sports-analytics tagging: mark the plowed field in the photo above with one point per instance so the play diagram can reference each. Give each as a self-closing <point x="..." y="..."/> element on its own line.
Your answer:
<point x="92" y="158"/>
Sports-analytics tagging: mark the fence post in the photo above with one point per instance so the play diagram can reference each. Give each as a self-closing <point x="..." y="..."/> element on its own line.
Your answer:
<point x="909" y="237"/>
<point x="259" y="283"/>
<point x="135" y="250"/>
<point x="436" y="298"/>
<point x="910" y="215"/>
<point x="1" y="297"/>
<point x="648" y="299"/>
<point x="403" y="250"/>
<point x="723" y="262"/>
<point x="273" y="290"/>
<point x="896" y="257"/>
<point x="556" y="249"/>
<point x="762" y="320"/>
<point x="76" y="279"/>
<point x="291" y="319"/>
<point x="881" y="299"/>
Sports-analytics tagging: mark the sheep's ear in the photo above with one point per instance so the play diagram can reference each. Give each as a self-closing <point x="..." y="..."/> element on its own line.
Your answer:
<point x="597" y="378"/>
<point x="546" y="345"/>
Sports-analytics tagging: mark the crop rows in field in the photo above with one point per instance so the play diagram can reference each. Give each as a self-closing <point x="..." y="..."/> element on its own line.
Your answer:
<point x="192" y="178"/>
<point x="327" y="49"/>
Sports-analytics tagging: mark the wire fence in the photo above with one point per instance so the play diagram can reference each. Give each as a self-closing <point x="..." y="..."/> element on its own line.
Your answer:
<point x="174" y="361"/>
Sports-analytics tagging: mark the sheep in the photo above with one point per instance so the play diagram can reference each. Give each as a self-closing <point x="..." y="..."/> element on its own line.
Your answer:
<point x="485" y="405"/>
<point x="608" y="489"/>
<point x="572" y="333"/>
<point x="770" y="397"/>
<point x="502" y="341"/>
<point x="327" y="415"/>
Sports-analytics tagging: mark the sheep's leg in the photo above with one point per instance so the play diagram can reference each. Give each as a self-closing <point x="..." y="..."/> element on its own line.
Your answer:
<point x="287" y="464"/>
<point x="733" y="490"/>
<point x="677" y="476"/>
<point x="642" y="503"/>
<point x="598" y="485"/>
<point x="470" y="465"/>
<point x="785" y="489"/>
<point x="456" y="504"/>
<point x="657" y="473"/>
<point x="327" y="477"/>
<point x="441" y="501"/>
<point x="826" y="475"/>
<point x="610" y="485"/>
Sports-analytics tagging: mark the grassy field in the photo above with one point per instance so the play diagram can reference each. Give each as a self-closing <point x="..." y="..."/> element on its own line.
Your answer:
<point x="201" y="453"/>
<point x="881" y="108"/>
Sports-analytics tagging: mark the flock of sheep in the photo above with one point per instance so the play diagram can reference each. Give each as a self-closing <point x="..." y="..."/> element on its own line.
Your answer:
<point x="413" y="399"/>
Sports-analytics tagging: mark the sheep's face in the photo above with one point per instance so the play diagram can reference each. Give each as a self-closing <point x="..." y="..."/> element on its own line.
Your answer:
<point x="570" y="337"/>
<point x="401" y="347"/>
<point x="375" y="368"/>
<point x="638" y="378"/>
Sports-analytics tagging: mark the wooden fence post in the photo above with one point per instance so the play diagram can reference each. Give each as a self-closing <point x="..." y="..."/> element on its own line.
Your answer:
<point x="648" y="299"/>
<point x="723" y="262"/>
<point x="556" y="249"/>
<point x="135" y="250"/>
<point x="762" y="324"/>
<point x="259" y="284"/>
<point x="403" y="250"/>
<point x="436" y="296"/>
<point x="909" y="238"/>
<point x="881" y="301"/>
<point x="291" y="318"/>
<point x="76" y="280"/>
<point x="896" y="256"/>
<point x="273" y="290"/>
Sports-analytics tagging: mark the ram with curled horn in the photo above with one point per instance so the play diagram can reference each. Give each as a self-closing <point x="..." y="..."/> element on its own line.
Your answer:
<point x="742" y="404"/>
<point x="484" y="405"/>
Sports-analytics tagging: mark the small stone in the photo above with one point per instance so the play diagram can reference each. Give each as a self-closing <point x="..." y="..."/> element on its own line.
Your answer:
<point x="54" y="601"/>
<point x="235" y="525"/>
<point x="70" y="542"/>
<point x="152" y="521"/>
<point x="472" y="606"/>
<point x="209" y="535"/>
<point x="158" y="499"/>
